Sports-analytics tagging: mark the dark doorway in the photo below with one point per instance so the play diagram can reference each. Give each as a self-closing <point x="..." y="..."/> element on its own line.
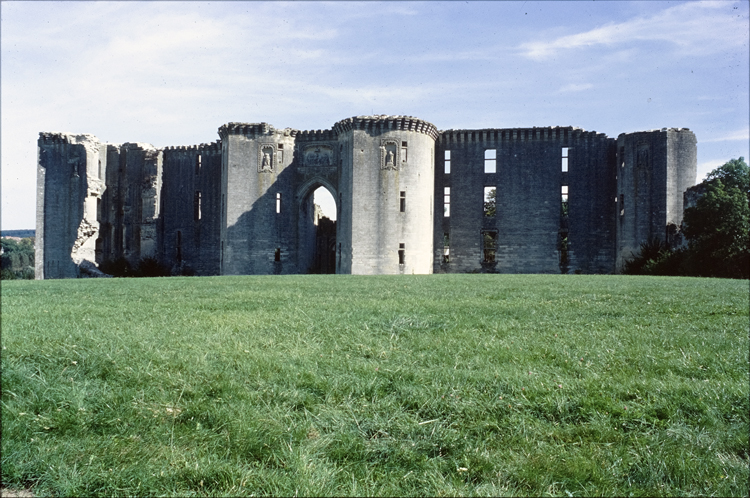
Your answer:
<point x="317" y="250"/>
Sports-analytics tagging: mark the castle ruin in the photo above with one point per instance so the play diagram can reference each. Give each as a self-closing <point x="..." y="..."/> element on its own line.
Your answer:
<point x="410" y="199"/>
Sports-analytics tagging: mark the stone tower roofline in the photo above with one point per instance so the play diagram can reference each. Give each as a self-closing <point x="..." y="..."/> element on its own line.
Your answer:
<point x="214" y="146"/>
<point x="382" y="123"/>
<point x="253" y="130"/>
<point x="656" y="130"/>
<point x="48" y="137"/>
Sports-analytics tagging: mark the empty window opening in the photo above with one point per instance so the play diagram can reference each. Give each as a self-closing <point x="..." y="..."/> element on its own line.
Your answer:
<point x="198" y="164"/>
<point x="446" y="202"/>
<point x="278" y="202"/>
<point x="277" y="254"/>
<point x="403" y="152"/>
<point x="490" y="204"/>
<point x="446" y="248"/>
<point x="280" y="153"/>
<point x="563" y="250"/>
<point x="197" y="205"/>
<point x="402" y="200"/>
<point x="489" y="246"/>
<point x="490" y="161"/>
<point x="622" y="204"/>
<point x="564" y="159"/>
<point x="401" y="254"/>
<point x="323" y="198"/>
<point x="447" y="162"/>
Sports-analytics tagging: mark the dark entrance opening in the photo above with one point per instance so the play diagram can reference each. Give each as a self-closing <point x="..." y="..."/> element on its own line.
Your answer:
<point x="318" y="232"/>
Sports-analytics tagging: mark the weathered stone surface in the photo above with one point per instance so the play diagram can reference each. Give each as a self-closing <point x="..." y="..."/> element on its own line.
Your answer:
<point x="244" y="204"/>
<point x="88" y="269"/>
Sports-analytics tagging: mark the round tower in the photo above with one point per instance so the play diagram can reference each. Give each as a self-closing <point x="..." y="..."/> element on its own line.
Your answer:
<point x="386" y="190"/>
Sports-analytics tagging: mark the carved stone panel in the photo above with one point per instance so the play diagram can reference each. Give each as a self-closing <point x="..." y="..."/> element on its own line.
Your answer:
<point x="389" y="154"/>
<point x="266" y="155"/>
<point x="318" y="155"/>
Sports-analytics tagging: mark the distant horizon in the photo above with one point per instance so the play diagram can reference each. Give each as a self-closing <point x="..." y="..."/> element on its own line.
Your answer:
<point x="170" y="73"/>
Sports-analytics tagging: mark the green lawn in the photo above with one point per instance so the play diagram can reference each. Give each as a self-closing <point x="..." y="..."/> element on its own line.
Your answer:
<point x="342" y="385"/>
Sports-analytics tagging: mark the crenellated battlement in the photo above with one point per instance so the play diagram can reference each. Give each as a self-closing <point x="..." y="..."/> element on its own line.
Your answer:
<point x="200" y="148"/>
<point x="557" y="133"/>
<point x="382" y="123"/>
<point x="317" y="135"/>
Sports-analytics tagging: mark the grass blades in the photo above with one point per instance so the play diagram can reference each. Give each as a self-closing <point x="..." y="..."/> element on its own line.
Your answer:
<point x="342" y="385"/>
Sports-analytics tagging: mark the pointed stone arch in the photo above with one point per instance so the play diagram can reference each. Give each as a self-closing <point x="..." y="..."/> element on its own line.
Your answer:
<point x="316" y="248"/>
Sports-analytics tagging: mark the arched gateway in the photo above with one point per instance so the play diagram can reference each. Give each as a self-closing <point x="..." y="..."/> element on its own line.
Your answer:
<point x="409" y="199"/>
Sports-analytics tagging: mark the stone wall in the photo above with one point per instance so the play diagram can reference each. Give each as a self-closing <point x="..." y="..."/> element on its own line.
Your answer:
<point x="409" y="199"/>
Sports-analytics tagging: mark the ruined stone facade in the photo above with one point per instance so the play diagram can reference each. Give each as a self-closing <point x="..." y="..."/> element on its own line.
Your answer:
<point x="409" y="199"/>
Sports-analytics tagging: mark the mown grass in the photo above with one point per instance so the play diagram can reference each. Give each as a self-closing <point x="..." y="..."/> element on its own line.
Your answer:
<point x="341" y="385"/>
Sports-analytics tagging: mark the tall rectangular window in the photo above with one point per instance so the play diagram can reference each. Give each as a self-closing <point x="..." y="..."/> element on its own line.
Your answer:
<point x="280" y="153"/>
<point x="447" y="162"/>
<point x="490" y="161"/>
<point x="489" y="246"/>
<point x="403" y="152"/>
<point x="197" y="205"/>
<point x="278" y="202"/>
<point x="564" y="192"/>
<point x="198" y="164"/>
<point x="622" y="204"/>
<point x="446" y="248"/>
<point x="446" y="202"/>
<point x="564" y="159"/>
<point x="401" y="254"/>
<point x="277" y="254"/>
<point x="490" y="204"/>
<point x="402" y="199"/>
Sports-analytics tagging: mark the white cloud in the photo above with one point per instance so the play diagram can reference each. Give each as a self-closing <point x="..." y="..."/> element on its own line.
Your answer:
<point x="575" y="87"/>
<point x="694" y="28"/>
<point x="742" y="135"/>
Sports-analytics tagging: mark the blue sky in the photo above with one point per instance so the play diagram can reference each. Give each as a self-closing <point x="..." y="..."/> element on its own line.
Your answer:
<point x="171" y="73"/>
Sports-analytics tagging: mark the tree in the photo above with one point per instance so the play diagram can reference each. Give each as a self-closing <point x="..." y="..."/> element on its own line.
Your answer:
<point x="717" y="227"/>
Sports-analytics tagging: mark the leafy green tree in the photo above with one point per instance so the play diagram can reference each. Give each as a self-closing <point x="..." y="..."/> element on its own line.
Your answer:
<point x="717" y="227"/>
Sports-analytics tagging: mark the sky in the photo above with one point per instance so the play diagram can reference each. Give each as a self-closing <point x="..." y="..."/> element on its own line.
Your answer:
<point x="171" y="73"/>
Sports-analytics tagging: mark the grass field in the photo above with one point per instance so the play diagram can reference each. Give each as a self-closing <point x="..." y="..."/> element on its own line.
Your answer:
<point x="342" y="385"/>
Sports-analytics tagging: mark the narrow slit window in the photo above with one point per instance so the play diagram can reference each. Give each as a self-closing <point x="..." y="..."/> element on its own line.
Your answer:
<point x="446" y="248"/>
<point x="277" y="254"/>
<point x="278" y="202"/>
<point x="564" y="159"/>
<point x="280" y="153"/>
<point x="447" y="162"/>
<point x="446" y="202"/>
<point x="197" y="205"/>
<point x="490" y="161"/>
<point x="564" y="192"/>
<point x="179" y="246"/>
<point x="198" y="161"/>
<point x="403" y="152"/>
<point x="402" y="202"/>
<point x="401" y="254"/>
<point x="622" y="204"/>
<point x="490" y="201"/>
